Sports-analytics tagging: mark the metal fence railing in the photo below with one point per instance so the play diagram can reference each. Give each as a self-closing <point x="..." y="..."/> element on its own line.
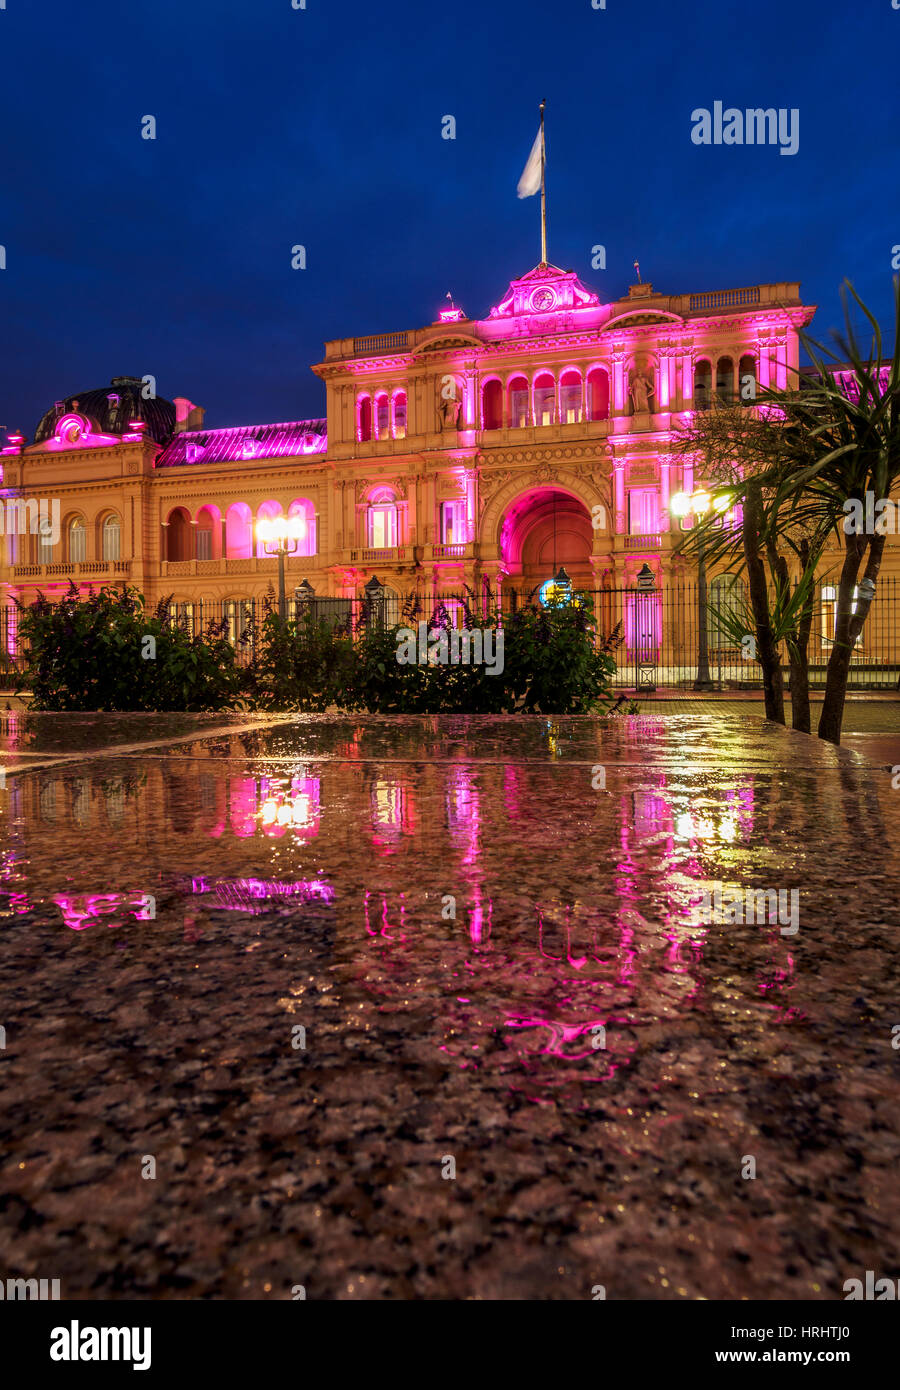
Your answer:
<point x="658" y="630"/>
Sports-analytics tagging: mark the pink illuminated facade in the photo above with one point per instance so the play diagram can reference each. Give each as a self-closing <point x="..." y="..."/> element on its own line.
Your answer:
<point x="482" y="453"/>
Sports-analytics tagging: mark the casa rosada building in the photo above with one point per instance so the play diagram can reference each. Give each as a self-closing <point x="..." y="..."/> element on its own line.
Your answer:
<point x="472" y="454"/>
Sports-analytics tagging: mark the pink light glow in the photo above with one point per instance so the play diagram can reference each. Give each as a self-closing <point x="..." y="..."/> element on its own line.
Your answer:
<point x="451" y="315"/>
<point x="84" y="910"/>
<point x="76" y="431"/>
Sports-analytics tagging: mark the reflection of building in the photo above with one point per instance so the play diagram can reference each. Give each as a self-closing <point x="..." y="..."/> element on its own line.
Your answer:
<point x="480" y="451"/>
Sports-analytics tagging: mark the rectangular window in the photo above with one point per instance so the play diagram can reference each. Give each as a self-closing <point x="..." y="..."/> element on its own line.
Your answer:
<point x="453" y="523"/>
<point x="518" y="409"/>
<point x="382" y="527"/>
<point x="829" y="615"/>
<point x="204" y="544"/>
<point x="643" y="511"/>
<point x="543" y="405"/>
<point x="77" y="544"/>
<point x="400" y="417"/>
<point x="382" y="417"/>
<point x="570" y="404"/>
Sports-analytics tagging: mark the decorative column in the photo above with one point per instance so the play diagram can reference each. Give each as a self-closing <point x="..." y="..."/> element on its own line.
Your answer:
<point x="764" y="379"/>
<point x="618" y="360"/>
<point x="687" y="378"/>
<point x="619" y="485"/>
<point x="664" y="467"/>
<point x="781" y="362"/>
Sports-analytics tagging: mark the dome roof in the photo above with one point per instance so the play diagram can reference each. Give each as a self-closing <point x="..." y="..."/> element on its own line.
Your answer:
<point x="112" y="408"/>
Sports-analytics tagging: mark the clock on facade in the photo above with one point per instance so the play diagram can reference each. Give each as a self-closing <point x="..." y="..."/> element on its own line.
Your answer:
<point x="543" y="299"/>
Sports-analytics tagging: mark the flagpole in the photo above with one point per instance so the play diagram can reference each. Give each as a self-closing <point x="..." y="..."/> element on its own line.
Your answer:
<point x="543" y="194"/>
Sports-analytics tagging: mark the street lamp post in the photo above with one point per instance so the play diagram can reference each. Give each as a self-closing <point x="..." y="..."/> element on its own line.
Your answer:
<point x="687" y="506"/>
<point x="281" y="535"/>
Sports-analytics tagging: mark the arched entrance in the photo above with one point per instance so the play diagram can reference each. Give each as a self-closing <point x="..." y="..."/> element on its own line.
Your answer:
<point x="542" y="529"/>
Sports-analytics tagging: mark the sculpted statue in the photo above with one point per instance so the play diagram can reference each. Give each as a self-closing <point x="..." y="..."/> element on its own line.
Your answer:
<point x="448" y="412"/>
<point x="641" y="390"/>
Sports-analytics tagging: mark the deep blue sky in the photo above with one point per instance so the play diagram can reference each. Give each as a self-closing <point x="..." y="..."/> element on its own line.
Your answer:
<point x="323" y="127"/>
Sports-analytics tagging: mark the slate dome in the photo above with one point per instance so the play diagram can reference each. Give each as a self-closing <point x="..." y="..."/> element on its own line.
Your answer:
<point x="112" y="407"/>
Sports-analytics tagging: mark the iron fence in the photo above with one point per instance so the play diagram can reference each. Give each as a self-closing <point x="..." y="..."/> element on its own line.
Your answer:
<point x="657" y="629"/>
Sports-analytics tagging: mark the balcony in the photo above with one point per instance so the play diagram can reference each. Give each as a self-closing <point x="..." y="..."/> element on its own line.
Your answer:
<point x="455" y="551"/>
<point x="650" y="541"/>
<point x="81" y="569"/>
<point x="391" y="554"/>
<point x="173" y="569"/>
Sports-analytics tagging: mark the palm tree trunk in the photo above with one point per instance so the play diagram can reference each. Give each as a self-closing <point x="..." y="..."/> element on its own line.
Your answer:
<point x="769" y="660"/>
<point x="847" y="627"/>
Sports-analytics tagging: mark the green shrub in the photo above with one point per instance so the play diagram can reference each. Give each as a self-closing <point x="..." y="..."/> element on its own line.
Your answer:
<point x="92" y="654"/>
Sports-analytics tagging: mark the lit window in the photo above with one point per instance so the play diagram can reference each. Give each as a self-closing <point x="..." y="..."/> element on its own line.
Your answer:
<point x="543" y="404"/>
<point x="382" y="527"/>
<point x="400" y="415"/>
<point x="453" y="523"/>
<point x="204" y="543"/>
<point x="829" y="614"/>
<point x="570" y="404"/>
<point x="518" y="408"/>
<point x="111" y="537"/>
<point x="382" y="416"/>
<point x="77" y="541"/>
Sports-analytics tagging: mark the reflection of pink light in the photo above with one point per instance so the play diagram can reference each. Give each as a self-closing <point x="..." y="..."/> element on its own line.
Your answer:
<point x="242" y="799"/>
<point x="386" y="930"/>
<point x="450" y="315"/>
<point x="83" y="910"/>
<point x="243" y="894"/>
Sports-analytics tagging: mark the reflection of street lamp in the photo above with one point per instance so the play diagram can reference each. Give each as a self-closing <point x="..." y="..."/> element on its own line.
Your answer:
<point x="281" y="535"/>
<point x="697" y="504"/>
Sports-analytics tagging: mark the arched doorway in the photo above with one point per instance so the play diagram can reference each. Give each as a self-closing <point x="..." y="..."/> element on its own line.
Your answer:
<point x="542" y="529"/>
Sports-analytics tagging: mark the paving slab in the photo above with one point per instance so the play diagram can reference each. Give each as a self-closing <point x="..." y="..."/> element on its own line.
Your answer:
<point x="436" y="1008"/>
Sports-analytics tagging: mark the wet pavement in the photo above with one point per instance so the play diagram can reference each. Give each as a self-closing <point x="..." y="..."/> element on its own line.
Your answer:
<point x="435" y="1008"/>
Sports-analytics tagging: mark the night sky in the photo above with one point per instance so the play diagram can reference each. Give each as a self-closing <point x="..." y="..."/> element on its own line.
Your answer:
<point x="322" y="127"/>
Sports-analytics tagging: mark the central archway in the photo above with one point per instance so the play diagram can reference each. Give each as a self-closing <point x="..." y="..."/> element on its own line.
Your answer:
<point x="543" y="528"/>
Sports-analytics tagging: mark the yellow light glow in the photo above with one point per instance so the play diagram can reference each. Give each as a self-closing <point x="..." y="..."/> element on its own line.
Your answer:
<point x="285" y="814"/>
<point x="296" y="528"/>
<point x="680" y="504"/>
<point x="721" y="504"/>
<point x="701" y="501"/>
<point x="264" y="531"/>
<point x="269" y="811"/>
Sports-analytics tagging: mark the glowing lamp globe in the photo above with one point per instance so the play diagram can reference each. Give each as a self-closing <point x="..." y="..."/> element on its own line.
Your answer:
<point x="680" y="504"/>
<point x="264" y="530"/>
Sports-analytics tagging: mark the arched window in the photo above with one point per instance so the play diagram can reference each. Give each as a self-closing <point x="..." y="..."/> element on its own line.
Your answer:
<point x="747" y="379"/>
<point x="303" y="511"/>
<point x="112" y="532"/>
<point x="77" y="540"/>
<point x="45" y="546"/>
<point x="492" y="405"/>
<point x="238" y="532"/>
<point x="727" y="609"/>
<point x="364" y="419"/>
<point x="381" y="520"/>
<point x="382" y="416"/>
<point x="178" y="535"/>
<point x="702" y="385"/>
<point x="209" y="533"/>
<point x="725" y="380"/>
<point x="517" y="402"/>
<point x="570" y="397"/>
<point x="544" y="399"/>
<point x="598" y="394"/>
<point x="399" y="406"/>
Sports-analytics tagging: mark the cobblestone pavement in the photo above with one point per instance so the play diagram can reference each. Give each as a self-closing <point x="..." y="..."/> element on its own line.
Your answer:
<point x="871" y="722"/>
<point x="439" y="1008"/>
